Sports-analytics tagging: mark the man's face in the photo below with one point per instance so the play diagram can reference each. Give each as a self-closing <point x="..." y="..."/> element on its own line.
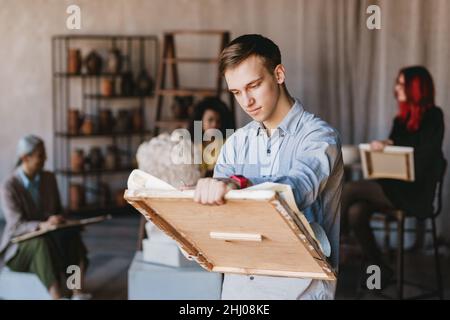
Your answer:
<point x="254" y="87"/>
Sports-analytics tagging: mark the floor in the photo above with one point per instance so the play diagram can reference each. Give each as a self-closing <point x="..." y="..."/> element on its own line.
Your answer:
<point x="112" y="244"/>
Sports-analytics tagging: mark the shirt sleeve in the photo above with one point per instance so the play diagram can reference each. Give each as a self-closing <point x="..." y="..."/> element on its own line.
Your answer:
<point x="13" y="215"/>
<point x="315" y="160"/>
<point x="224" y="167"/>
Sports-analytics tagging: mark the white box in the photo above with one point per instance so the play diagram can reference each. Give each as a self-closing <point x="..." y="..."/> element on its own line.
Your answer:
<point x="147" y="281"/>
<point x="165" y="253"/>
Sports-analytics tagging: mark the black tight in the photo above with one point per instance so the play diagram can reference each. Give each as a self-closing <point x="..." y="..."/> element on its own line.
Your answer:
<point x="360" y="199"/>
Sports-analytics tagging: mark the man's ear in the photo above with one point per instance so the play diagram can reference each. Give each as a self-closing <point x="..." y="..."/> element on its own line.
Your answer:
<point x="280" y="74"/>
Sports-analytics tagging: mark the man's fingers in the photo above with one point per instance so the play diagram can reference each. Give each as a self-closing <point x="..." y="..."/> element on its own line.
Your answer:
<point x="204" y="191"/>
<point x="198" y="190"/>
<point x="221" y="190"/>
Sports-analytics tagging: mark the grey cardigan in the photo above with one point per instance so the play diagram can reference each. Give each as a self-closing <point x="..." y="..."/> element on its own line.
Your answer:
<point x="21" y="214"/>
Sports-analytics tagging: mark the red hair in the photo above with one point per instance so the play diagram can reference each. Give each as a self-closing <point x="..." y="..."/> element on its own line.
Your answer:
<point x="419" y="90"/>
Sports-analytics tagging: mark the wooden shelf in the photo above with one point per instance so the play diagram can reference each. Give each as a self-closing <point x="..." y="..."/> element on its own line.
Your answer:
<point x="86" y="75"/>
<point x="191" y="60"/>
<point x="94" y="171"/>
<point x="172" y="123"/>
<point x="200" y="32"/>
<point x="103" y="134"/>
<point x="115" y="97"/>
<point x="188" y="92"/>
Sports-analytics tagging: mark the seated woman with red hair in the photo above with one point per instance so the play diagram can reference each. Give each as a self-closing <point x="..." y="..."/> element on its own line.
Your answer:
<point x="419" y="124"/>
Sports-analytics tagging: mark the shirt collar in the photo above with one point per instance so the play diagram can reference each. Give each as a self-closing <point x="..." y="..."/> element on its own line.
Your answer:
<point x="26" y="181"/>
<point x="289" y="122"/>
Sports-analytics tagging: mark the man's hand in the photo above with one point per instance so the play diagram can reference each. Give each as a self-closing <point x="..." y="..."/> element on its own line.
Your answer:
<point x="212" y="191"/>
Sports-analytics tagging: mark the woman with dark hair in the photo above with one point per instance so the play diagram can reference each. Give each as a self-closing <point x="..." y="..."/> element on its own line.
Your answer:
<point x="419" y="124"/>
<point x="213" y="117"/>
<point x="30" y="202"/>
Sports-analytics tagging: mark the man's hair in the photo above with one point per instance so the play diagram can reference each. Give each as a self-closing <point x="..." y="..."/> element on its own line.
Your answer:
<point x="248" y="45"/>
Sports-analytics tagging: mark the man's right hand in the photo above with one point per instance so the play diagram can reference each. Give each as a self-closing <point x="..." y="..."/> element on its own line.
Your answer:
<point x="212" y="191"/>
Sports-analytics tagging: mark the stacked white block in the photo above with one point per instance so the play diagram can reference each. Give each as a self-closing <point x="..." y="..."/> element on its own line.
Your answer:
<point x="149" y="281"/>
<point x="161" y="249"/>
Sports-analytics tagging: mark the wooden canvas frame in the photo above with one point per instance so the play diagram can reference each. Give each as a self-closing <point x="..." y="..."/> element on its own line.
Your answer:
<point x="392" y="163"/>
<point x="255" y="235"/>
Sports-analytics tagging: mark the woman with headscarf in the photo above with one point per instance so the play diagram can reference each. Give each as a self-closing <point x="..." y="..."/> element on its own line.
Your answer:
<point x="30" y="201"/>
<point x="419" y="123"/>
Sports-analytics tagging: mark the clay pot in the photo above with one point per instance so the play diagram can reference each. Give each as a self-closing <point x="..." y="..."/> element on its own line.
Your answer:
<point x="126" y="84"/>
<point x="74" y="61"/>
<point x="123" y="121"/>
<point x="87" y="128"/>
<point x="144" y="84"/>
<point x="106" y="120"/>
<point x="120" y="201"/>
<point x="93" y="63"/>
<point x="112" y="158"/>
<point x="107" y="87"/>
<point x="114" y="62"/>
<point x="137" y="120"/>
<point x="77" y="197"/>
<point x="73" y="121"/>
<point x="77" y="160"/>
<point x="95" y="158"/>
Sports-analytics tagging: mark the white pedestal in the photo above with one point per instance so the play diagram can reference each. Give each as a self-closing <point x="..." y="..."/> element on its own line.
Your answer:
<point x="158" y="282"/>
<point x="21" y="286"/>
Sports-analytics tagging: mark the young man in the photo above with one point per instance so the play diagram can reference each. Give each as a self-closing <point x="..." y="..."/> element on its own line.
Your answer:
<point x="284" y="144"/>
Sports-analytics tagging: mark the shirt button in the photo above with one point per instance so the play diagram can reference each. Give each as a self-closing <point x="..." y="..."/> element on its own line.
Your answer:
<point x="251" y="278"/>
<point x="268" y="151"/>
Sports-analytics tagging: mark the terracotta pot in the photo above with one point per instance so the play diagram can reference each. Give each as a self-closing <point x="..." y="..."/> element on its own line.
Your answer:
<point x="73" y="121"/>
<point x="120" y="201"/>
<point x="74" y="61"/>
<point x="77" y="160"/>
<point x="123" y="121"/>
<point x="111" y="158"/>
<point x="137" y="120"/>
<point x="95" y="158"/>
<point x="114" y="62"/>
<point x="106" y="120"/>
<point x="107" y="87"/>
<point x="87" y="127"/>
<point x="93" y="63"/>
<point x="144" y="84"/>
<point x="77" y="197"/>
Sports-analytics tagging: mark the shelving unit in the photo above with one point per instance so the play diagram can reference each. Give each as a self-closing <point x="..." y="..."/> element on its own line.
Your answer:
<point x="82" y="91"/>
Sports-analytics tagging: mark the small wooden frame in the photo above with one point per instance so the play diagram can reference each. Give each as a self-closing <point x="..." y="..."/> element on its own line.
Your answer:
<point x="256" y="233"/>
<point x="392" y="163"/>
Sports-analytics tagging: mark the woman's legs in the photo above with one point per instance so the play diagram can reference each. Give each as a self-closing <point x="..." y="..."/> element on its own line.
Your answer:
<point x="360" y="199"/>
<point x="72" y="252"/>
<point x="37" y="256"/>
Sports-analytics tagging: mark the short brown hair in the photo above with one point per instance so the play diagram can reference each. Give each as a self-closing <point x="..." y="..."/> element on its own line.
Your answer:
<point x="247" y="45"/>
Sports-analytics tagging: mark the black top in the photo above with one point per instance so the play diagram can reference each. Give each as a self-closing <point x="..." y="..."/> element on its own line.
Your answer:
<point x="416" y="198"/>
